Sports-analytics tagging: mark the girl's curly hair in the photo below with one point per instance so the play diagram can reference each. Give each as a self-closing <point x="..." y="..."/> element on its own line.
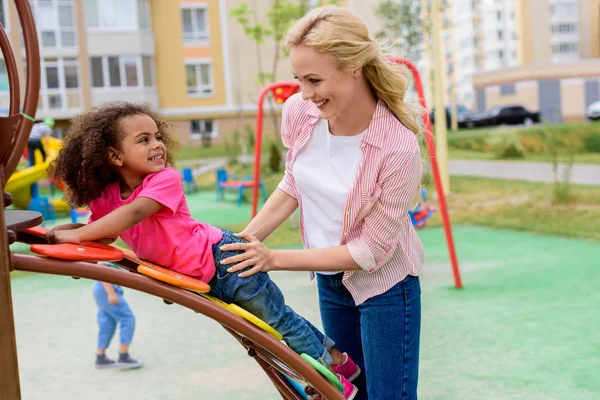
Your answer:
<point x="83" y="163"/>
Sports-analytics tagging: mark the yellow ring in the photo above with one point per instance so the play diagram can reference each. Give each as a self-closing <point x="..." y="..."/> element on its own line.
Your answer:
<point x="255" y="320"/>
<point x="214" y="300"/>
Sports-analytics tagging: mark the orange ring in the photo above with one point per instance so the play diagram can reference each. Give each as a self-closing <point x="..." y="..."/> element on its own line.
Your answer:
<point x="172" y="277"/>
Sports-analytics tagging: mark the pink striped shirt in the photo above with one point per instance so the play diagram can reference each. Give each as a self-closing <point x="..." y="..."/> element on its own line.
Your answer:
<point x="376" y="226"/>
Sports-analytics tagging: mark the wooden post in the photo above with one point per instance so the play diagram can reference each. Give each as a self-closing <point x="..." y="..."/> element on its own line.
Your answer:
<point x="441" y="131"/>
<point x="9" y="371"/>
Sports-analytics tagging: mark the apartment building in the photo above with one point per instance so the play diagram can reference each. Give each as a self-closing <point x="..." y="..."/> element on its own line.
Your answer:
<point x="558" y="68"/>
<point x="91" y="51"/>
<point x="187" y="58"/>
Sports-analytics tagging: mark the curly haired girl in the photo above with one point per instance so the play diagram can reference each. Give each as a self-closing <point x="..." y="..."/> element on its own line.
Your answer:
<point x="115" y="161"/>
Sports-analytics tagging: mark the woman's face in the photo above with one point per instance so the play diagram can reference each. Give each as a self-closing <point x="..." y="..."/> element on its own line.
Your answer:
<point x="322" y="82"/>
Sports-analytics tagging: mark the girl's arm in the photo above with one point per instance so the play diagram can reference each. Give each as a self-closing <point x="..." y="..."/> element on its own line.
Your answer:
<point x="111" y="225"/>
<point x="110" y="292"/>
<point x="276" y="210"/>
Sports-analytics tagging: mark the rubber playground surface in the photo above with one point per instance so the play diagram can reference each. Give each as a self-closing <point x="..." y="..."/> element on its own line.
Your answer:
<point x="526" y="326"/>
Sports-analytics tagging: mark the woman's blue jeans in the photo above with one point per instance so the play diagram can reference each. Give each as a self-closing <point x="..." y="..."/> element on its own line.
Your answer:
<point x="381" y="335"/>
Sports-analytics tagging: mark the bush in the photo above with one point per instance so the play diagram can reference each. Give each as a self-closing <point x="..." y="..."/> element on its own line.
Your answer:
<point x="475" y="143"/>
<point x="592" y="143"/>
<point x="506" y="144"/>
<point x="533" y="140"/>
<point x="533" y="144"/>
<point x="275" y="158"/>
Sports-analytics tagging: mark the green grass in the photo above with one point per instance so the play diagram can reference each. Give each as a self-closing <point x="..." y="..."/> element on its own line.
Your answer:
<point x="198" y="152"/>
<point x="524" y="206"/>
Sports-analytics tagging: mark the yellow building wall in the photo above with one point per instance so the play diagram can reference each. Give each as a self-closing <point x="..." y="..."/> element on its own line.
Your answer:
<point x="526" y="94"/>
<point x="572" y="93"/>
<point x="171" y="55"/>
<point x="595" y="28"/>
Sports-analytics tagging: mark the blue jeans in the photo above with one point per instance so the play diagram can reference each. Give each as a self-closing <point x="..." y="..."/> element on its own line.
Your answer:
<point x="381" y="335"/>
<point x="260" y="296"/>
<point x="109" y="315"/>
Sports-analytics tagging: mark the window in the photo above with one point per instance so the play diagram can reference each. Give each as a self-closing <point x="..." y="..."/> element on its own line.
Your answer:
<point x="131" y="72"/>
<point x="55" y="22"/>
<point x="500" y="35"/>
<point x="4" y="86"/>
<point x="97" y="75"/>
<point x="563" y="9"/>
<point x="114" y="72"/>
<point x="117" y="14"/>
<point x="565" y="48"/>
<point x="203" y="129"/>
<point x="122" y="72"/>
<point x="148" y="71"/>
<point x="3" y="19"/>
<point x="499" y="15"/>
<point x="564" y="28"/>
<point x="199" y="78"/>
<point x="60" y="83"/>
<point x="507" y="89"/>
<point x="195" y="24"/>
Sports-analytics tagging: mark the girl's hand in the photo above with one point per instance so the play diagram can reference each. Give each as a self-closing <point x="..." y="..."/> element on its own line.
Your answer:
<point x="113" y="299"/>
<point x="256" y="255"/>
<point x="57" y="235"/>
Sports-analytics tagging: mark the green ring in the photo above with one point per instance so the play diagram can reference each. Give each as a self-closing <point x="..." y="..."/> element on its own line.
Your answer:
<point x="27" y="116"/>
<point x="324" y="371"/>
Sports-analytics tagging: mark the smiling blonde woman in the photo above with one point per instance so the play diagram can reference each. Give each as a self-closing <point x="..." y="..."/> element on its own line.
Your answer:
<point x="353" y="167"/>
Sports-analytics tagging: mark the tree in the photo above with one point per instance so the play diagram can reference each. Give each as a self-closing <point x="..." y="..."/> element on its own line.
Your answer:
<point x="402" y="26"/>
<point x="278" y="19"/>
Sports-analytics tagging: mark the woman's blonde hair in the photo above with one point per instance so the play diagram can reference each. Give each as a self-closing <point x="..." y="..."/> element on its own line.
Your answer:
<point x="336" y="31"/>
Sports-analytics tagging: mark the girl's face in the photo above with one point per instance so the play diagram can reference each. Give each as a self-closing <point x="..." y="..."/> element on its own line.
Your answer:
<point x="141" y="150"/>
<point x="330" y="88"/>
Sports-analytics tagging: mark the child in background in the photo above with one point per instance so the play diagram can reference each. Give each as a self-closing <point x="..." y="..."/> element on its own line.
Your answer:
<point x="114" y="310"/>
<point x="116" y="161"/>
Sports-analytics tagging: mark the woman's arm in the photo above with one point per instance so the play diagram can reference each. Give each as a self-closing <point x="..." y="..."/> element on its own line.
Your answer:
<point x="276" y="210"/>
<point x="261" y="258"/>
<point x="111" y="225"/>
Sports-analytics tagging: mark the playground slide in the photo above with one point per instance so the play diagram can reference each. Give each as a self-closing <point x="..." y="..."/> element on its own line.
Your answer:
<point x="19" y="184"/>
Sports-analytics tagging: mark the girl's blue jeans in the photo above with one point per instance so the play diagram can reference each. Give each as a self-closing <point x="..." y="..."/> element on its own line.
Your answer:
<point x="381" y="335"/>
<point x="260" y="296"/>
<point x="109" y="315"/>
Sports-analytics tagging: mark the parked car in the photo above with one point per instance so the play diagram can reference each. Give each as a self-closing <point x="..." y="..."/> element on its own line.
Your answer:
<point x="593" y="111"/>
<point x="504" y="115"/>
<point x="462" y="116"/>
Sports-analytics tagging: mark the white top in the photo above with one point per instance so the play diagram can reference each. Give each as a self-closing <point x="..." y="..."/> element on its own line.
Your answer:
<point x="39" y="130"/>
<point x="324" y="170"/>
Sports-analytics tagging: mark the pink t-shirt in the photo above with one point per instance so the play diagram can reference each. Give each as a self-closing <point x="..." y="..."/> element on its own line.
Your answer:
<point x="170" y="237"/>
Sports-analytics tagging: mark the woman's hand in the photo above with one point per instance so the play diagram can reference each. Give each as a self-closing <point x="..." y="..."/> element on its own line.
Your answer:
<point x="64" y="234"/>
<point x="256" y="255"/>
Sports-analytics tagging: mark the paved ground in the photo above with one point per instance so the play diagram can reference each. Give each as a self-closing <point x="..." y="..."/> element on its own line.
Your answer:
<point x="525" y="327"/>
<point x="583" y="174"/>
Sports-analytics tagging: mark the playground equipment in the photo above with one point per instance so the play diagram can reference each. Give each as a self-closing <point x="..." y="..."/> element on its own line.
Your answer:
<point x="20" y="183"/>
<point x="226" y="181"/>
<point x="422" y="212"/>
<point x="283" y="90"/>
<point x="283" y="366"/>
<point x="23" y="186"/>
